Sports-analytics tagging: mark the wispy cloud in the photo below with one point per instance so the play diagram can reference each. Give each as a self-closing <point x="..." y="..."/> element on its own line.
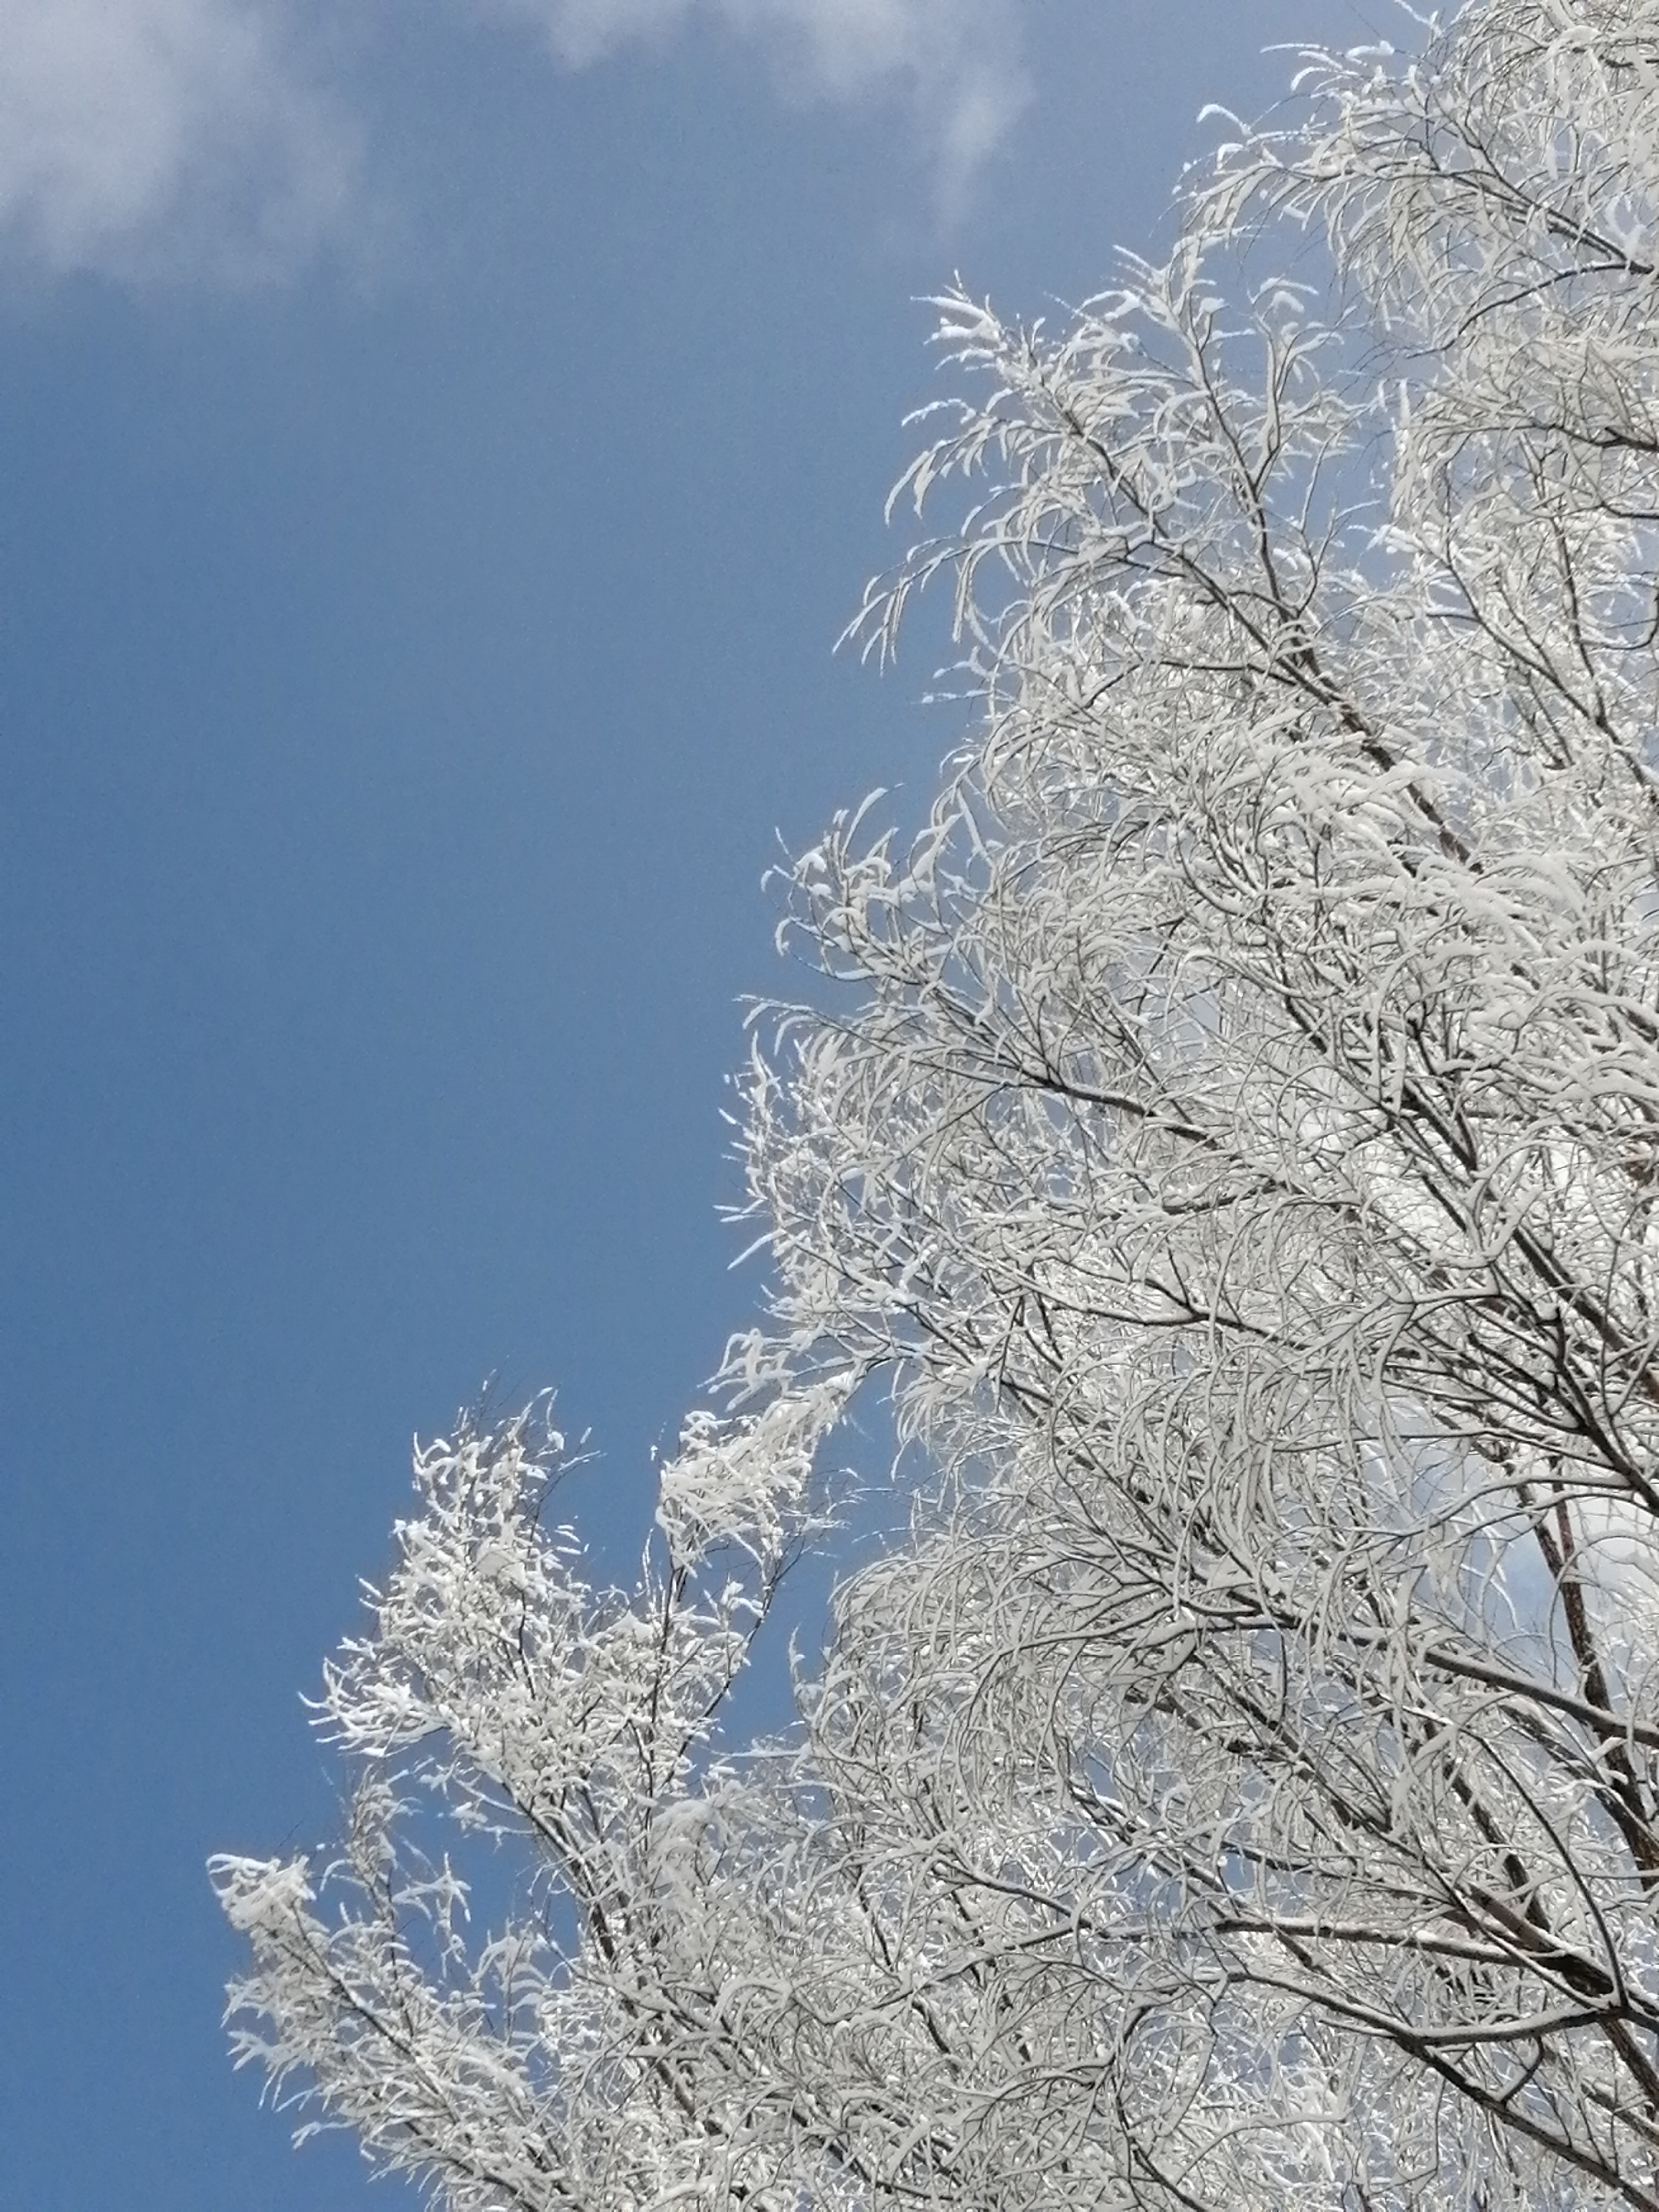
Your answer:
<point x="139" y="136"/>
<point x="956" y="61"/>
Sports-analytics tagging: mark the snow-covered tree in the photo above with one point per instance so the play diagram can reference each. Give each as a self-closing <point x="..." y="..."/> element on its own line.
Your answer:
<point x="1231" y="1132"/>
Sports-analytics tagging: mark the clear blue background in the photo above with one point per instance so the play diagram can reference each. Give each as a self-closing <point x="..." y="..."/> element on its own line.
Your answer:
<point x="403" y="681"/>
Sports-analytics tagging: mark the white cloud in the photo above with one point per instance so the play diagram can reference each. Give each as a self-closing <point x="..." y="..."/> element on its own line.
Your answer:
<point x="957" y="60"/>
<point x="584" y="31"/>
<point x="141" y="135"/>
<point x="145" y="136"/>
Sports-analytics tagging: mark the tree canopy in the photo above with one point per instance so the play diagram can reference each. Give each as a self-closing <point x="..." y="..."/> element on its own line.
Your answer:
<point x="1229" y="1131"/>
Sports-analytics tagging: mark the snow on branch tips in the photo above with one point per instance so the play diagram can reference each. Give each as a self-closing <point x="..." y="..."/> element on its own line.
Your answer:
<point x="1229" y="1132"/>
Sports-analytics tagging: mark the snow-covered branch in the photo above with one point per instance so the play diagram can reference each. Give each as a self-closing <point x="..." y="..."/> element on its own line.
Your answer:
<point x="1232" y="1130"/>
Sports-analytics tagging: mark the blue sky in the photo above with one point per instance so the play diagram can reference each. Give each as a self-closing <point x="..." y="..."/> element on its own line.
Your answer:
<point x="439" y="447"/>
